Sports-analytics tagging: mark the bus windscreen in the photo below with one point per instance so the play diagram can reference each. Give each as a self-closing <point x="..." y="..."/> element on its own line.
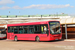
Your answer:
<point x="55" y="27"/>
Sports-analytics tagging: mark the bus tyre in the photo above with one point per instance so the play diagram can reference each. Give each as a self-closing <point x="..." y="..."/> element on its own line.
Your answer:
<point x="15" y="39"/>
<point x="37" y="39"/>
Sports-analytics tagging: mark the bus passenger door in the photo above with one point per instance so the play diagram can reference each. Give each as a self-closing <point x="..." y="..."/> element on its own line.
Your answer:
<point x="44" y="31"/>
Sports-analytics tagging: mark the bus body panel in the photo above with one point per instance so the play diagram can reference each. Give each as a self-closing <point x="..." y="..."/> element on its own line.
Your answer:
<point x="56" y="37"/>
<point x="43" y="37"/>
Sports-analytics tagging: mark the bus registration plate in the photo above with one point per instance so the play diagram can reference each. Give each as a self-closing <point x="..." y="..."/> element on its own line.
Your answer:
<point x="56" y="39"/>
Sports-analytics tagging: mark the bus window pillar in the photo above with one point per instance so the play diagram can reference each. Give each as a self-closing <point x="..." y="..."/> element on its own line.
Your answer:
<point x="66" y="31"/>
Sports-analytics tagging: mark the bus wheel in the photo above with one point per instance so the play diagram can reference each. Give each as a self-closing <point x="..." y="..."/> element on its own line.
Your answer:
<point x="37" y="39"/>
<point x="15" y="39"/>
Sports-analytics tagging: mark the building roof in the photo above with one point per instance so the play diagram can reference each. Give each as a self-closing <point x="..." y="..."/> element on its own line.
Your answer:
<point x="67" y="21"/>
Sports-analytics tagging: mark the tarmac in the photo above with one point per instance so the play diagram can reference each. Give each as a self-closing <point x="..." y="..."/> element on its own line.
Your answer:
<point x="33" y="45"/>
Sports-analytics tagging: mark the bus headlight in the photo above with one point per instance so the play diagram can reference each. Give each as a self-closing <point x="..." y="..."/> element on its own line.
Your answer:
<point x="60" y="37"/>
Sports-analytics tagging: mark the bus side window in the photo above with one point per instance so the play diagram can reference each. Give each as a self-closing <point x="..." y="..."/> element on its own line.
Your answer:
<point x="21" y="30"/>
<point x="16" y="30"/>
<point x="44" y="29"/>
<point x="25" y="29"/>
<point x="10" y="29"/>
<point x="37" y="29"/>
<point x="31" y="29"/>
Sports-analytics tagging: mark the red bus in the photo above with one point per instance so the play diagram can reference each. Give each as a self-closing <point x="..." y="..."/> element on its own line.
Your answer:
<point x="38" y="31"/>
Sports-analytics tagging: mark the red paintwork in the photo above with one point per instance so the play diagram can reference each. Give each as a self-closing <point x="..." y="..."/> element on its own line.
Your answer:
<point x="43" y="37"/>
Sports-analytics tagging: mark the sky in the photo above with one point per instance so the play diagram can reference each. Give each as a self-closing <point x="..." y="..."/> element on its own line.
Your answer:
<point x="35" y="7"/>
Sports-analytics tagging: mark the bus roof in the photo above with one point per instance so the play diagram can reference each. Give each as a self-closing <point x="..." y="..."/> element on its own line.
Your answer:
<point x="29" y="23"/>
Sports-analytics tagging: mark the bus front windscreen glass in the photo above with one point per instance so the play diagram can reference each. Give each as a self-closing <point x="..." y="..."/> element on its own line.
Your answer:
<point x="55" y="27"/>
